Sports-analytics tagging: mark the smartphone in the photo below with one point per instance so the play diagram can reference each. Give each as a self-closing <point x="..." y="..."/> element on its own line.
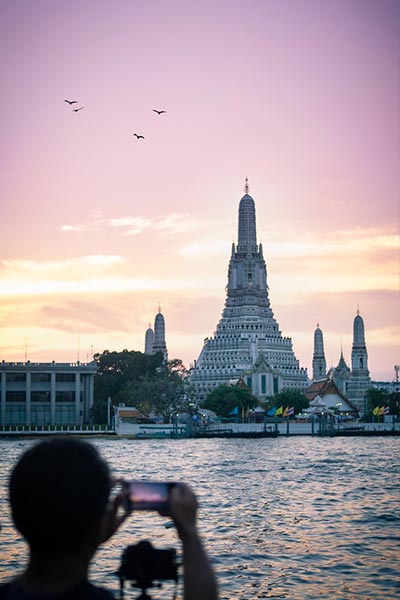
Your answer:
<point x="149" y="495"/>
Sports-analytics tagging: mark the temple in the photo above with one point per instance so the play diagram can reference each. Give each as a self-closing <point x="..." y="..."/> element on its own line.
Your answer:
<point x="247" y="343"/>
<point x="155" y="339"/>
<point x="351" y="383"/>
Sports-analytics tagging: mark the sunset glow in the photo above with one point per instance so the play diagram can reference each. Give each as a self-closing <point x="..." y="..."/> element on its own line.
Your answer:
<point x="98" y="227"/>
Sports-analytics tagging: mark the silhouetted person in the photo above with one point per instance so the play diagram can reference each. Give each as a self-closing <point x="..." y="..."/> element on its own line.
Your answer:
<point x="59" y="494"/>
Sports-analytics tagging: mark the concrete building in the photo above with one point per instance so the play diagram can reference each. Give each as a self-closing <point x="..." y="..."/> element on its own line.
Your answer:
<point x="247" y="343"/>
<point x="46" y="393"/>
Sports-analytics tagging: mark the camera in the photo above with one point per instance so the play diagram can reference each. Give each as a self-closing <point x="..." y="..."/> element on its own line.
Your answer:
<point x="143" y="564"/>
<point x="148" y="495"/>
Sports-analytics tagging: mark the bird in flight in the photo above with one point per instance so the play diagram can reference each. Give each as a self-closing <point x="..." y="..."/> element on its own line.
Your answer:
<point x="139" y="137"/>
<point x="71" y="102"/>
<point x="159" y="112"/>
<point x="78" y="109"/>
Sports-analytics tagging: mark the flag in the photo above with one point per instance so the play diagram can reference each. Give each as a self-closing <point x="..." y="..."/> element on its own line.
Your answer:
<point x="279" y="411"/>
<point x="381" y="410"/>
<point x="235" y="411"/>
<point x="290" y="411"/>
<point x="386" y="411"/>
<point x="376" y="411"/>
<point x="284" y="414"/>
<point x="271" y="411"/>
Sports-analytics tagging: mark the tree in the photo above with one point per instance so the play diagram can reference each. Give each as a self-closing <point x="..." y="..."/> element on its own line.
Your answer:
<point x="140" y="380"/>
<point x="376" y="397"/>
<point x="115" y="371"/>
<point x="225" y="398"/>
<point x="173" y="390"/>
<point x="289" y="398"/>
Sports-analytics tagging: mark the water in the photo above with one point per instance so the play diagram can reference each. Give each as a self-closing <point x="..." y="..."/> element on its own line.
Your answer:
<point x="294" y="518"/>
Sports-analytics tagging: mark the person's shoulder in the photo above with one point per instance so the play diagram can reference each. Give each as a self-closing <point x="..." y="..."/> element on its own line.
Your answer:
<point x="90" y="591"/>
<point x="83" y="591"/>
<point x="4" y="590"/>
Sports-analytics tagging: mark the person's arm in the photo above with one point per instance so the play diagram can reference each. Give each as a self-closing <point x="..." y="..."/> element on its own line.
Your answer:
<point x="199" y="580"/>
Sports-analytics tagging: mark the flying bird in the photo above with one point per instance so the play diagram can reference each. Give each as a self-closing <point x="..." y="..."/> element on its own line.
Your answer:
<point x="139" y="137"/>
<point x="71" y="102"/>
<point x="78" y="109"/>
<point x="159" y="112"/>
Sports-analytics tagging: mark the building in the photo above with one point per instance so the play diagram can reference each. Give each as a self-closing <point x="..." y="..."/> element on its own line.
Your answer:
<point x="149" y="340"/>
<point x="46" y="393"/>
<point x="352" y="383"/>
<point x="155" y="340"/>
<point x="327" y="390"/>
<point x="319" y="362"/>
<point x="247" y="343"/>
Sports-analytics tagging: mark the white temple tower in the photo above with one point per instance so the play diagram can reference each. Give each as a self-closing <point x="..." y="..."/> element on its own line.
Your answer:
<point x="159" y="343"/>
<point x="247" y="342"/>
<point x="319" y="362"/>
<point x="149" y="340"/>
<point x="360" y="380"/>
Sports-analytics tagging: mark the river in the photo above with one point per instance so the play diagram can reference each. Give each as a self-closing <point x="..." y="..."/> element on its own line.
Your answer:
<point x="295" y="518"/>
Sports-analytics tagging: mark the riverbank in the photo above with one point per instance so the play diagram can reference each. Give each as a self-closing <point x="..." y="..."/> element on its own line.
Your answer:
<point x="226" y="430"/>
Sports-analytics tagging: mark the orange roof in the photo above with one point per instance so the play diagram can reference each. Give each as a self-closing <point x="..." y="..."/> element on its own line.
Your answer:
<point x="129" y="412"/>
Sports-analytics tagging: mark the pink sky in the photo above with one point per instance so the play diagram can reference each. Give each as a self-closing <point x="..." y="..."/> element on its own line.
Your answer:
<point x="97" y="228"/>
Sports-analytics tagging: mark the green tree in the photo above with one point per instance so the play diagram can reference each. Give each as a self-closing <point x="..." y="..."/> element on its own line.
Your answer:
<point x="172" y="396"/>
<point x="376" y="397"/>
<point x="289" y="398"/>
<point x="225" y="398"/>
<point x="115" y="371"/>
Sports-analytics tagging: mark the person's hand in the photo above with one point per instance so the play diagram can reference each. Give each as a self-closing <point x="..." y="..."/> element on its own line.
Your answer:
<point x="116" y="513"/>
<point x="183" y="509"/>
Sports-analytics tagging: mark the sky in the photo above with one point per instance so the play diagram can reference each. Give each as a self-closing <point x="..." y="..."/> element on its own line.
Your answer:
<point x="99" y="228"/>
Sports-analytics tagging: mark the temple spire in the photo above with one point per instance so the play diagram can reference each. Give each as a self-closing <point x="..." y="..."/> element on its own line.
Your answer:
<point x="247" y="238"/>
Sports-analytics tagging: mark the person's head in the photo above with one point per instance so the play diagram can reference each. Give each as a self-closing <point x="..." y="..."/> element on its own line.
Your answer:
<point x="59" y="491"/>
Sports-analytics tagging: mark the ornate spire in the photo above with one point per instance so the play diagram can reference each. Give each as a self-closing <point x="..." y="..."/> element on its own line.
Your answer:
<point x="246" y="186"/>
<point x="247" y="238"/>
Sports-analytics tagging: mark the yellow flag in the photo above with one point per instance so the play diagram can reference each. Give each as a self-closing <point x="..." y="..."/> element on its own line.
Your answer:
<point x="381" y="410"/>
<point x="285" y="412"/>
<point x="279" y="411"/>
<point x="376" y="410"/>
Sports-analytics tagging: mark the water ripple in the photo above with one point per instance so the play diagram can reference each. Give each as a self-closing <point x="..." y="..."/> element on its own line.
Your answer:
<point x="282" y="518"/>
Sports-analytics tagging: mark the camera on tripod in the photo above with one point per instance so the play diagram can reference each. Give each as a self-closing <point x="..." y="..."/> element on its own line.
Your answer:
<point x="142" y="564"/>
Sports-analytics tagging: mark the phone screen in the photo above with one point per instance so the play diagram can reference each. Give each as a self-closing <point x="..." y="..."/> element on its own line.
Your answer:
<point x="149" y="495"/>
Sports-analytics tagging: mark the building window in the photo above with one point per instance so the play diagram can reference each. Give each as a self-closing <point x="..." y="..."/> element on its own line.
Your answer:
<point x="65" y="396"/>
<point x="40" y="396"/>
<point x="65" y="415"/>
<point x="249" y="382"/>
<point x="15" y="397"/>
<point x="40" y="415"/>
<point x="263" y="384"/>
<point x="11" y="377"/>
<point x="276" y="386"/>
<point x="40" y="377"/>
<point x="15" y="415"/>
<point x="65" y="377"/>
